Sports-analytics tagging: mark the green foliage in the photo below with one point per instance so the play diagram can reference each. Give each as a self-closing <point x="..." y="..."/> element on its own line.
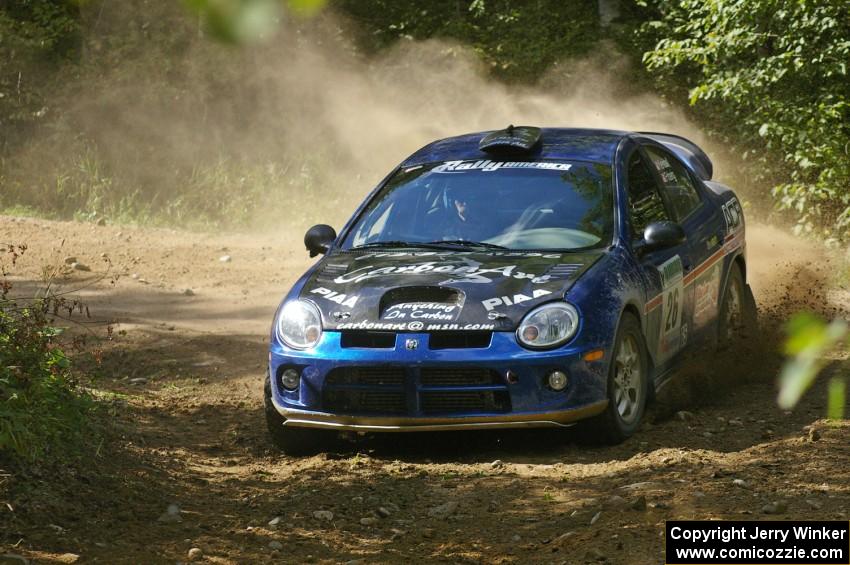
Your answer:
<point x="41" y="407"/>
<point x="35" y="37"/>
<point x="519" y="43"/>
<point x="772" y="76"/>
<point x="241" y="21"/>
<point x="810" y="342"/>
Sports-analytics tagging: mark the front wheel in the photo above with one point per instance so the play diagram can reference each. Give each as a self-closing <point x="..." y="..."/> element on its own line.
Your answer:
<point x="292" y="441"/>
<point x="628" y="384"/>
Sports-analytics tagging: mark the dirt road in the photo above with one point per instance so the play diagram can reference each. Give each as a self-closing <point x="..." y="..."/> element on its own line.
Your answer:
<point x="186" y="370"/>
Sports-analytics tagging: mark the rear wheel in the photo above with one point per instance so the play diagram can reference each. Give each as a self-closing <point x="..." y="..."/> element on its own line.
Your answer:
<point x="737" y="315"/>
<point x="292" y="441"/>
<point x="628" y="385"/>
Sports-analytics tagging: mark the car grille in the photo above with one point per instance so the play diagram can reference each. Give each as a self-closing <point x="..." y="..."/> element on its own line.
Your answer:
<point x="365" y="390"/>
<point x="459" y="340"/>
<point x="436" y="340"/>
<point x="459" y="402"/>
<point x="381" y="376"/>
<point x="458" y="376"/>
<point x="364" y="402"/>
<point x="367" y="339"/>
<point x="391" y="390"/>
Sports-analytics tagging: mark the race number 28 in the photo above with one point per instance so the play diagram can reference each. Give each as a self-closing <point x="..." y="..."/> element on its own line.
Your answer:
<point x="671" y="317"/>
<point x="673" y="293"/>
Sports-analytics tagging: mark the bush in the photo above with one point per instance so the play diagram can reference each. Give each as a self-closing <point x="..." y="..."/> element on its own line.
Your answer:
<point x="42" y="408"/>
<point x="518" y="43"/>
<point x="772" y="77"/>
<point x="35" y="36"/>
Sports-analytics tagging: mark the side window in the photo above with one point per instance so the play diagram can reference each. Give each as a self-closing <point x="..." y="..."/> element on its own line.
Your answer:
<point x="677" y="183"/>
<point x="645" y="202"/>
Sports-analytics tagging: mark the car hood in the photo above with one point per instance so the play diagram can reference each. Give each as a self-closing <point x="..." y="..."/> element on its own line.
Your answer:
<point x="439" y="290"/>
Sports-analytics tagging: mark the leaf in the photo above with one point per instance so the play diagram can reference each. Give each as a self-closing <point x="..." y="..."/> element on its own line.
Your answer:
<point x="796" y="377"/>
<point x="810" y="339"/>
<point x="804" y="330"/>
<point x="306" y="7"/>
<point x="837" y="396"/>
<point x="243" y="21"/>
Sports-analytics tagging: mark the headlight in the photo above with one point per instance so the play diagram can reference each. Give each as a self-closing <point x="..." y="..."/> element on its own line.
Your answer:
<point x="299" y="324"/>
<point x="549" y="325"/>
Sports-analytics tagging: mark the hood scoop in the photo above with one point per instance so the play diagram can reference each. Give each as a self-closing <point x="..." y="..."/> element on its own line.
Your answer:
<point x="422" y="302"/>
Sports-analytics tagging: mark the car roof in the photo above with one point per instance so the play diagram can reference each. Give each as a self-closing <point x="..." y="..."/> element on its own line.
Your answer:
<point x="597" y="145"/>
<point x="580" y="144"/>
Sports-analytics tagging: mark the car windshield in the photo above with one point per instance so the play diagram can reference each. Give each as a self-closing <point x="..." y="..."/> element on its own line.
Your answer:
<point x="518" y="205"/>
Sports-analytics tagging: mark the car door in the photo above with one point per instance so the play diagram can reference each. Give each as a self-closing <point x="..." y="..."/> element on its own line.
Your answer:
<point x="702" y="223"/>
<point x="663" y="270"/>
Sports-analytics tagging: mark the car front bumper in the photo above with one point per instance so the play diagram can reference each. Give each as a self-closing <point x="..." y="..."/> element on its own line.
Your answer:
<point x="518" y="381"/>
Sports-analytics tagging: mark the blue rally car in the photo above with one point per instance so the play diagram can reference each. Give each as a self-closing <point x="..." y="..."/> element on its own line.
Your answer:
<point x="517" y="278"/>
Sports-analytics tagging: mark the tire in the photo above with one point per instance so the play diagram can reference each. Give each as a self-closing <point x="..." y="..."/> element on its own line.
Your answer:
<point x="737" y="316"/>
<point x="292" y="441"/>
<point x="630" y="367"/>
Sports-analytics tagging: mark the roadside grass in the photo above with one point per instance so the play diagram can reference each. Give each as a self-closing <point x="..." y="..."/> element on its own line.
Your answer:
<point x="223" y="194"/>
<point x="22" y="211"/>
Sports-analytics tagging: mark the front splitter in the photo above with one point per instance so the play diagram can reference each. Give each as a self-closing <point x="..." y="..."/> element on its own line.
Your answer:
<point x="559" y="419"/>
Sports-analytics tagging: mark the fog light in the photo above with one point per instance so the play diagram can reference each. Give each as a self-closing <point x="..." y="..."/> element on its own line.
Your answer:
<point x="557" y="380"/>
<point x="290" y="379"/>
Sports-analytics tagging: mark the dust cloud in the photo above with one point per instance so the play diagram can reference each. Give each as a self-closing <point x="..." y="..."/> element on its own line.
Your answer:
<point x="323" y="120"/>
<point x="790" y="274"/>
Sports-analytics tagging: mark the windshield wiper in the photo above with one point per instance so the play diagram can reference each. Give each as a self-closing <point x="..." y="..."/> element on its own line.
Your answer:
<point x="394" y="243"/>
<point x="451" y="243"/>
<point x="467" y="243"/>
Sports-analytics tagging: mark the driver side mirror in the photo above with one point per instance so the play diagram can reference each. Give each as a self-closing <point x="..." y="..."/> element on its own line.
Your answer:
<point x="319" y="239"/>
<point x="661" y="235"/>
